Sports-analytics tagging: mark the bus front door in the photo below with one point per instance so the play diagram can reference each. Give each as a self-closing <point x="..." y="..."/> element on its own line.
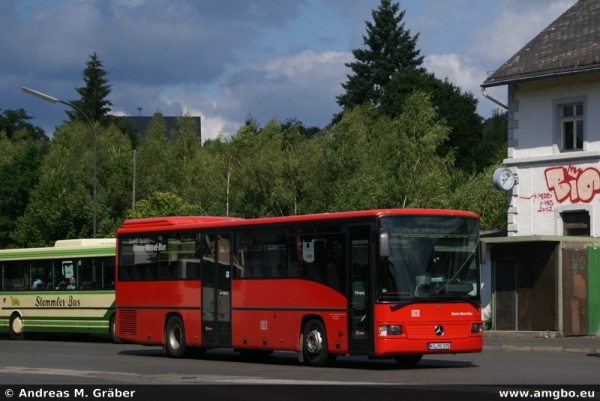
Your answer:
<point x="360" y="315"/>
<point x="216" y="290"/>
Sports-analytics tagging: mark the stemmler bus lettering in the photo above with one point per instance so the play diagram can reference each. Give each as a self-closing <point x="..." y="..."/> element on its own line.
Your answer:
<point x="64" y="302"/>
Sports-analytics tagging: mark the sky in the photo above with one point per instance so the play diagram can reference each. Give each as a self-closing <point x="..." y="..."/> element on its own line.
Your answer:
<point x="225" y="60"/>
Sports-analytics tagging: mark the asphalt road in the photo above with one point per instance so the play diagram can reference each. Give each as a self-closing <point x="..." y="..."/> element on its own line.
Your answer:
<point x="95" y="360"/>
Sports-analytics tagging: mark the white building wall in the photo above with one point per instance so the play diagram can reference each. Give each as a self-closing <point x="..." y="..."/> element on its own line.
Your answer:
<point x="551" y="181"/>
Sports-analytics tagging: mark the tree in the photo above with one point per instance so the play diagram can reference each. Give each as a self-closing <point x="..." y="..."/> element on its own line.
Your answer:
<point x="389" y="50"/>
<point x="294" y="123"/>
<point x="93" y="100"/>
<point x="457" y="108"/>
<point x="154" y="160"/>
<point x="12" y="121"/>
<point x="375" y="161"/>
<point x="18" y="177"/>
<point x="477" y="193"/>
<point x="60" y="205"/>
<point x="423" y="175"/>
<point x="163" y="204"/>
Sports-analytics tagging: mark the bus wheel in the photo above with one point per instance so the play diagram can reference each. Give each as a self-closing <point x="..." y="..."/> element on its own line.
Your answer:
<point x="175" y="338"/>
<point x="315" y="345"/>
<point x="16" y="327"/>
<point x="113" y="330"/>
<point x="408" y="361"/>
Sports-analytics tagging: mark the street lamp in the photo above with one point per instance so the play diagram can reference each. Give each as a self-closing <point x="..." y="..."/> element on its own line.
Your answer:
<point x="51" y="99"/>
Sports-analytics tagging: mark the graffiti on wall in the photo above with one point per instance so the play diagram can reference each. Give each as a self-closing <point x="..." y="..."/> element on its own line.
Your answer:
<point x="572" y="183"/>
<point x="567" y="184"/>
<point x="544" y="201"/>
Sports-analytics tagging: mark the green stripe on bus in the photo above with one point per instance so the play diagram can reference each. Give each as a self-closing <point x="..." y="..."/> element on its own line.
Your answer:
<point x="55" y="253"/>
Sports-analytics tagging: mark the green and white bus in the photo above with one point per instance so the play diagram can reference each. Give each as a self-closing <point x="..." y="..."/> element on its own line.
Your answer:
<point x="67" y="288"/>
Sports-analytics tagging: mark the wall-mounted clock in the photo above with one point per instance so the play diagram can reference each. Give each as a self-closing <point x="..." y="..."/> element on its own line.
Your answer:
<point x="504" y="179"/>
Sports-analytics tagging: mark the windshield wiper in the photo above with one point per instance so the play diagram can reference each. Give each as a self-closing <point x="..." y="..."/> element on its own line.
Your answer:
<point x="453" y="278"/>
<point x="436" y="298"/>
<point x="462" y="297"/>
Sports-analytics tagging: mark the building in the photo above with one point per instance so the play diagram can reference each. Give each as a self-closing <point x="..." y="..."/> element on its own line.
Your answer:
<point x="545" y="274"/>
<point x="141" y="124"/>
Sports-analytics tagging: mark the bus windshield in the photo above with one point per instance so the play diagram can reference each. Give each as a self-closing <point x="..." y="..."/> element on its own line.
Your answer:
<point x="432" y="258"/>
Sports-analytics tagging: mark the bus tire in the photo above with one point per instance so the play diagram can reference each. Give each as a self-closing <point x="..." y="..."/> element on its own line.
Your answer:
<point x="408" y="361"/>
<point x="113" y="328"/>
<point x="175" y="338"/>
<point x="16" y="327"/>
<point x="315" y="345"/>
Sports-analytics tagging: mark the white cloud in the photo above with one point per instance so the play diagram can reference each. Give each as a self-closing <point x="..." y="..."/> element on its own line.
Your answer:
<point x="459" y="70"/>
<point x="462" y="72"/>
<point x="305" y="83"/>
<point x="514" y="27"/>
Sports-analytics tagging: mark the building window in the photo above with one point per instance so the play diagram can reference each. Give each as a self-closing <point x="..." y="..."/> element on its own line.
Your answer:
<point x="576" y="223"/>
<point x="571" y="126"/>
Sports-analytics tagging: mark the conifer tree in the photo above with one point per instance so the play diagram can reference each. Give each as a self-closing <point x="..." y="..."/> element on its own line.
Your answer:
<point x="93" y="100"/>
<point x="389" y="49"/>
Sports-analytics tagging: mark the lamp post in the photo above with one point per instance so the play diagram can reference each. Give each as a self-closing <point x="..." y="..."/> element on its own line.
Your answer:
<point x="51" y="99"/>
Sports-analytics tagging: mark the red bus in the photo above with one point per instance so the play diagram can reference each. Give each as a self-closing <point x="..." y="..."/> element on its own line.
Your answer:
<point x="396" y="283"/>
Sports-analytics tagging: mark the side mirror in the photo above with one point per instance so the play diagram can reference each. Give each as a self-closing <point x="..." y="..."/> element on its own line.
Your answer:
<point x="384" y="244"/>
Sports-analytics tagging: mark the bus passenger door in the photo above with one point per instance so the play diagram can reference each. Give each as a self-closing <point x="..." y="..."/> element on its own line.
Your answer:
<point x="360" y="307"/>
<point x="216" y="290"/>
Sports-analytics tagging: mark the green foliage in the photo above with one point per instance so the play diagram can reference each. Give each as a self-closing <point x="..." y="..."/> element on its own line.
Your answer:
<point x="60" y="206"/>
<point x="378" y="162"/>
<point x="494" y="146"/>
<point x="296" y="125"/>
<point x="465" y="136"/>
<point x="163" y="204"/>
<point x="388" y="70"/>
<point x="154" y="160"/>
<point x="13" y="121"/>
<point x="129" y="131"/>
<point x="423" y="174"/>
<point x="389" y="50"/>
<point x="257" y="172"/>
<point x="18" y="177"/>
<point x="93" y="100"/>
<point x="477" y="193"/>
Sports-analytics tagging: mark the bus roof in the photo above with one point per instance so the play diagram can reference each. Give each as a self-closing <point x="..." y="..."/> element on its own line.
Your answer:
<point x="64" y="249"/>
<point x="193" y="222"/>
<point x="85" y="242"/>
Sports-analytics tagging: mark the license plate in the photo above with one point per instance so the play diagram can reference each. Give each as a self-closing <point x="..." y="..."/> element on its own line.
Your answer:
<point x="438" y="345"/>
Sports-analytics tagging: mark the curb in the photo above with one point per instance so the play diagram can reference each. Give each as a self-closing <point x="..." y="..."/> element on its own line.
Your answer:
<point x="529" y="348"/>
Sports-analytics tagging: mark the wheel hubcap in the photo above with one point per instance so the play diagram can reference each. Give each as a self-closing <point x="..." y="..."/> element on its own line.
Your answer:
<point x="174" y="337"/>
<point x="314" y="342"/>
<point x="17" y="325"/>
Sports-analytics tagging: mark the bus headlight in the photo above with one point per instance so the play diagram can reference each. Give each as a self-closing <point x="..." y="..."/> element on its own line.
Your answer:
<point x="390" y="330"/>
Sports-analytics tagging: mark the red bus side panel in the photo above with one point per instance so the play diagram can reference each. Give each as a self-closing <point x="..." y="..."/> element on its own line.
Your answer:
<point x="142" y="309"/>
<point x="269" y="313"/>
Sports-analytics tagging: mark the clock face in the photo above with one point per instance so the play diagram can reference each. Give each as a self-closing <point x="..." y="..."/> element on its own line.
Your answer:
<point x="504" y="179"/>
<point x="507" y="179"/>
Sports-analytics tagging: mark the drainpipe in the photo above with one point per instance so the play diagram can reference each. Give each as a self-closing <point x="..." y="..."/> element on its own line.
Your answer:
<point x="499" y="103"/>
